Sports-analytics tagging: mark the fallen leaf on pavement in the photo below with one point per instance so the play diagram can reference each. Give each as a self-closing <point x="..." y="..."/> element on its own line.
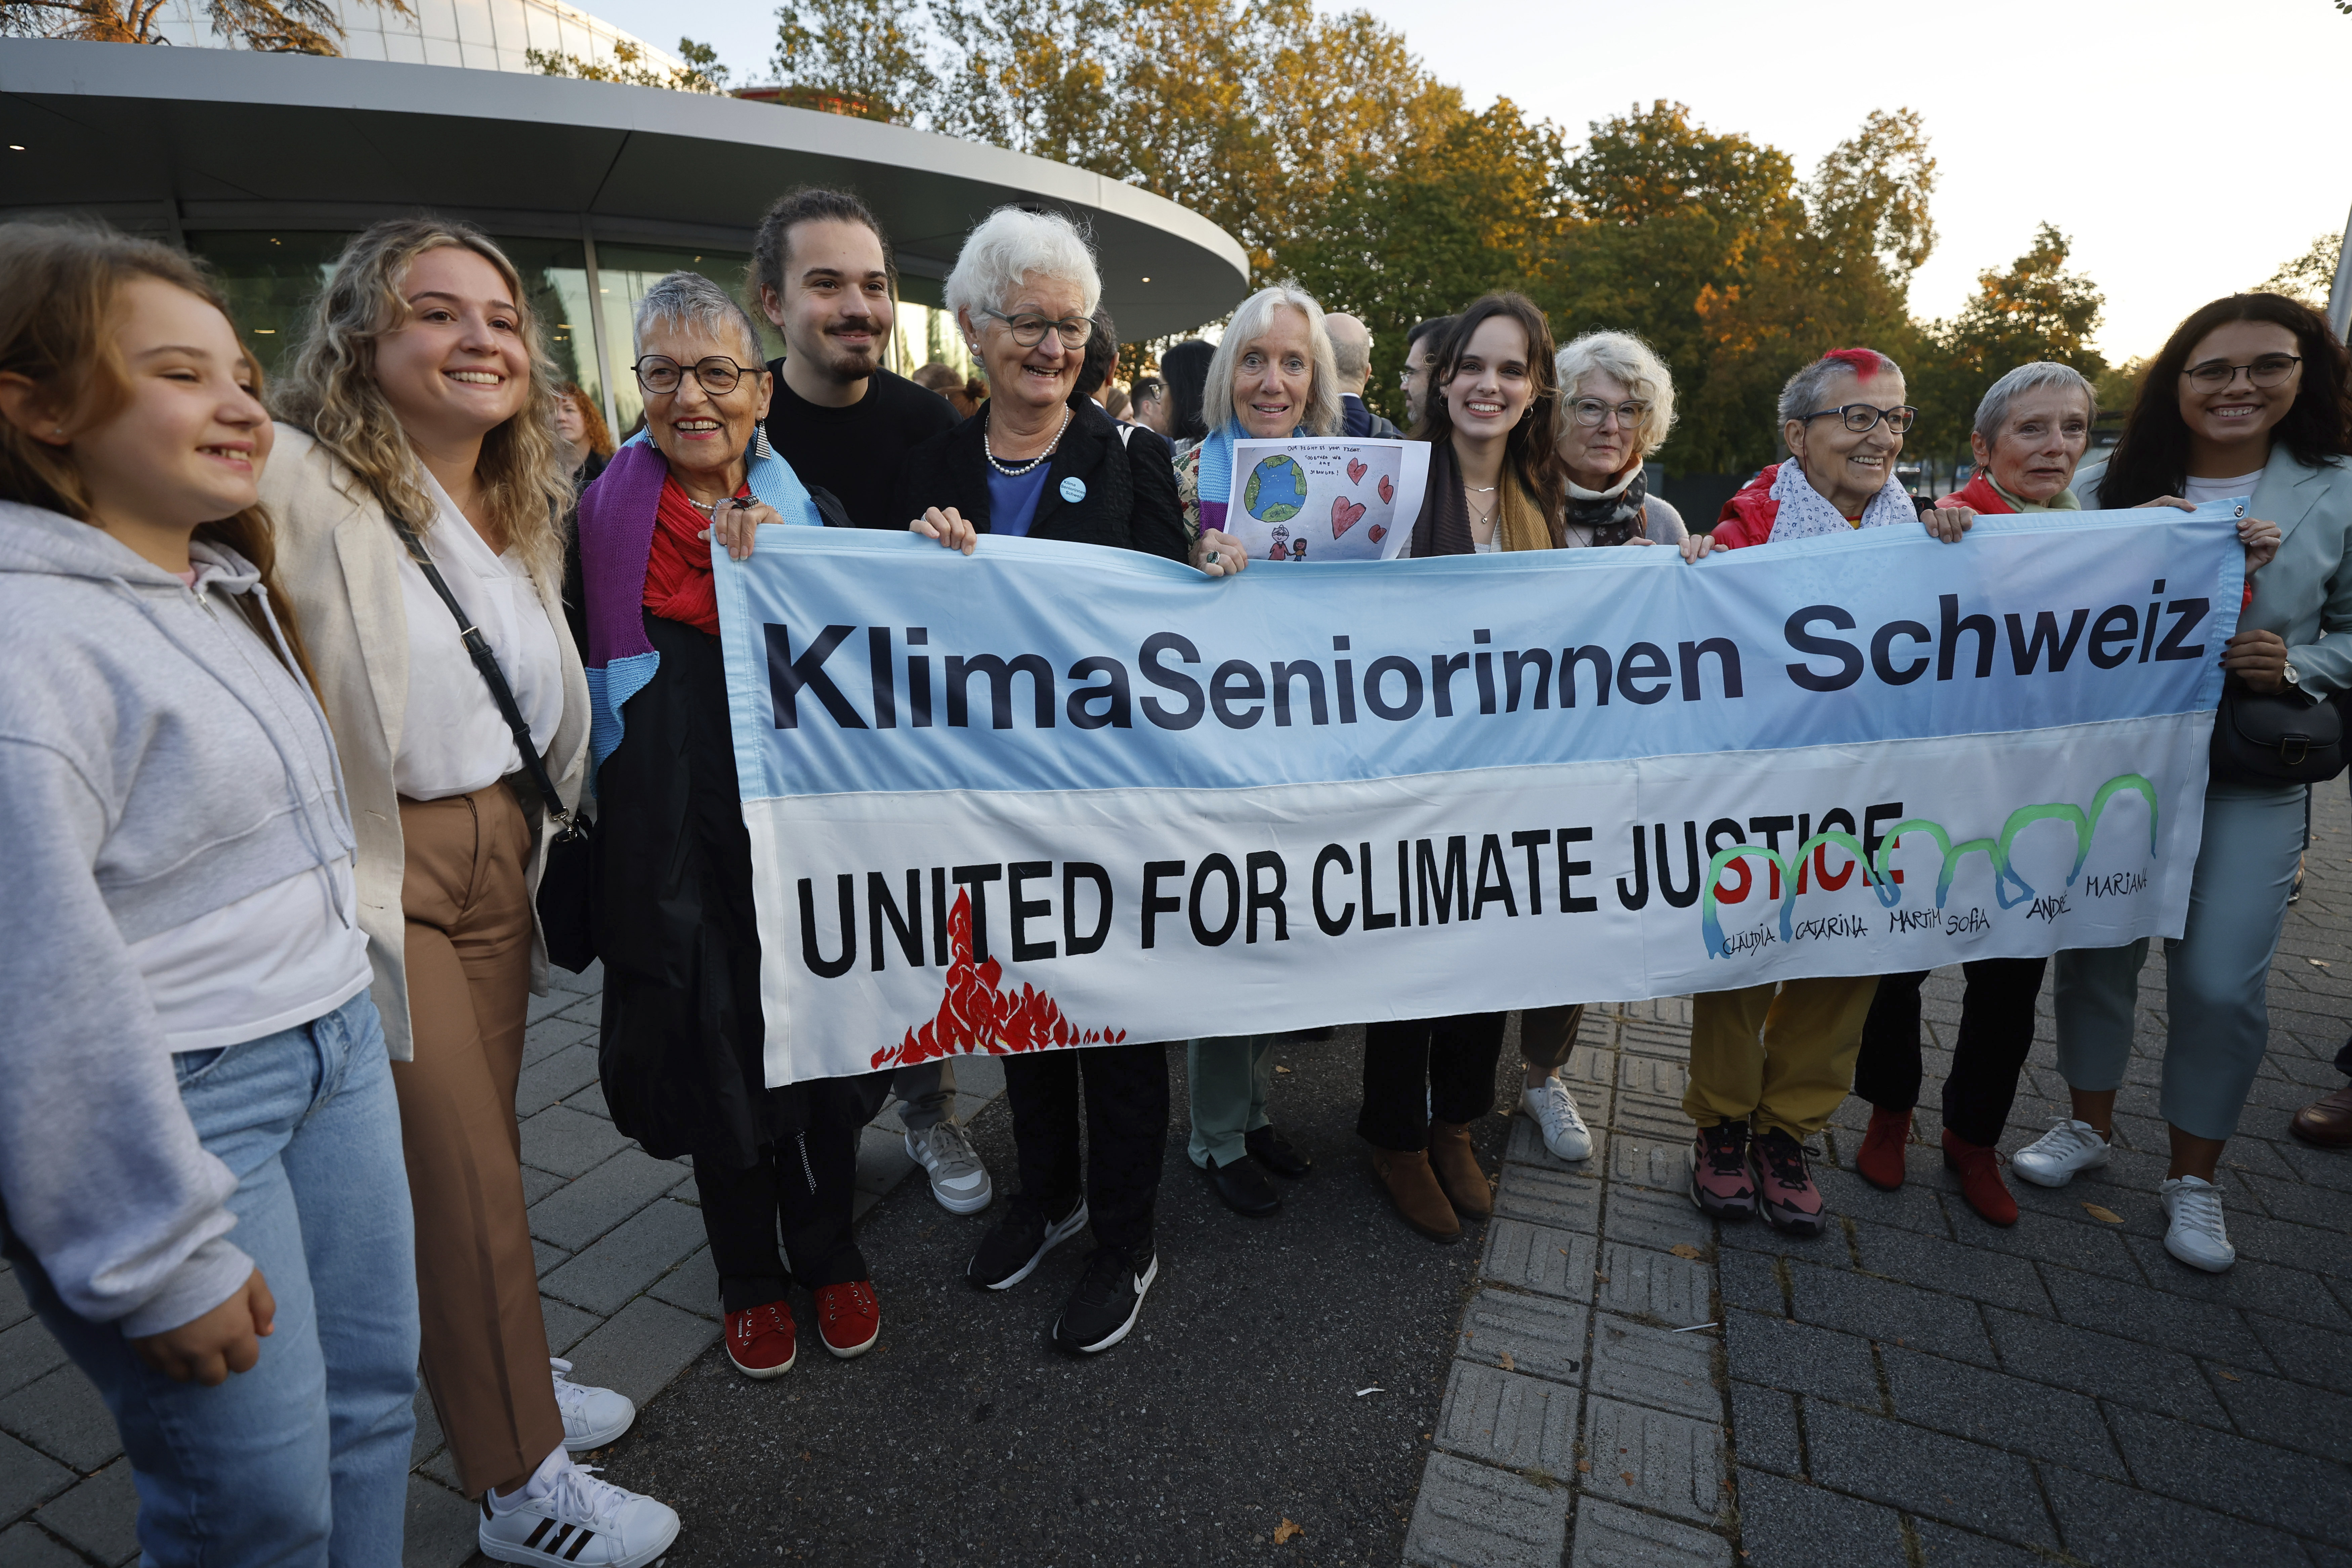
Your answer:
<point x="1285" y="1530"/>
<point x="2105" y="1216"/>
<point x="2231" y="1375"/>
<point x="1685" y="1249"/>
<point x="1508" y="1364"/>
<point x="2316" y="962"/>
<point x="1584" y="1467"/>
<point x="1625" y="1476"/>
<point x="805" y="1453"/>
<point x="1284" y="1070"/>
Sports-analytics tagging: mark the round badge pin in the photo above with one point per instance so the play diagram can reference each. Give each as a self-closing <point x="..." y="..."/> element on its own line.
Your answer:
<point x="1074" y="490"/>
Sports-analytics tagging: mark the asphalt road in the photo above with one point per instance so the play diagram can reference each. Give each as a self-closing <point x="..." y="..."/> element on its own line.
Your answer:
<point x="965" y="1438"/>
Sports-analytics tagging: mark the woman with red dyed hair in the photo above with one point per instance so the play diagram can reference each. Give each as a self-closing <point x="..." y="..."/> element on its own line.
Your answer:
<point x="1771" y="1062"/>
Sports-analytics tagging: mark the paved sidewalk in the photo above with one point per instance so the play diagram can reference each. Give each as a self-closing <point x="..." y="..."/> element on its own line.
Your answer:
<point x="1918" y="1386"/>
<point x="1914" y="1387"/>
<point x="625" y="1283"/>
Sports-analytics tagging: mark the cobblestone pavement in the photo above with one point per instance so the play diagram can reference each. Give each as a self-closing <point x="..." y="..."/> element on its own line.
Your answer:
<point x="625" y="1282"/>
<point x="1916" y="1386"/>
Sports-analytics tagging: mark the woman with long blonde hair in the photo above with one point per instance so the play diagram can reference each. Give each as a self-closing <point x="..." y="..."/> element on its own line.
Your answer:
<point x="418" y="464"/>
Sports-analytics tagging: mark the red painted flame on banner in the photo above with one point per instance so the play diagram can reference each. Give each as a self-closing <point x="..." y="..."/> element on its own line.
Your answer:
<point x="975" y="1016"/>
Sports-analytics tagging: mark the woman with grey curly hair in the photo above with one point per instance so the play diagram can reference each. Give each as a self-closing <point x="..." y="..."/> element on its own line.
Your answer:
<point x="1616" y="405"/>
<point x="417" y="457"/>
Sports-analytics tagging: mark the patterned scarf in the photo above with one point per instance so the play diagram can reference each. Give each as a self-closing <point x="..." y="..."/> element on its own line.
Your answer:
<point x="1804" y="513"/>
<point x="1613" y="515"/>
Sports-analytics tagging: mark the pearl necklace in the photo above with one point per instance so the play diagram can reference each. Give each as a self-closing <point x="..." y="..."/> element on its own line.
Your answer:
<point x="1011" y="471"/>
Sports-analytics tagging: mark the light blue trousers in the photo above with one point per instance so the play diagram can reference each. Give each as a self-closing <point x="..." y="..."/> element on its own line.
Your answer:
<point x="1227" y="1079"/>
<point x="2218" y="1020"/>
<point x="303" y="1460"/>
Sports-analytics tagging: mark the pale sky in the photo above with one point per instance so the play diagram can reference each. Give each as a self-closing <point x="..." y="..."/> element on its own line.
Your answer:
<point x="2187" y="147"/>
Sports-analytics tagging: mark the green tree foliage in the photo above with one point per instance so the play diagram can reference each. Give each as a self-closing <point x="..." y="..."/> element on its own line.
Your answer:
<point x="2309" y="277"/>
<point x="2033" y="309"/>
<point x="866" y="57"/>
<point x="701" y="73"/>
<point x="271" y="27"/>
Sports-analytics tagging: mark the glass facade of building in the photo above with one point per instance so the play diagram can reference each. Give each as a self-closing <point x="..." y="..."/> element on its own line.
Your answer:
<point x="271" y="276"/>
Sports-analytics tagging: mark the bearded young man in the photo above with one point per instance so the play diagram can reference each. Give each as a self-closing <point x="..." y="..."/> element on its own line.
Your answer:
<point x="821" y="271"/>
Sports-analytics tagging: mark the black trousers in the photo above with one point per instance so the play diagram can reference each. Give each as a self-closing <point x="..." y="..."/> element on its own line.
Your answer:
<point x="1996" y="1032"/>
<point x="1125" y="1089"/>
<point x="1420" y="1069"/>
<point x="803" y="1186"/>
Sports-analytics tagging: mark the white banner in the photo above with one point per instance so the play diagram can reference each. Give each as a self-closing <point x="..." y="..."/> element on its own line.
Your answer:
<point x="1051" y="795"/>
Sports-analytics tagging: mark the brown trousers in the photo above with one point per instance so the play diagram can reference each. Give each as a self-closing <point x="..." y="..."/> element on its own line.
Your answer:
<point x="1548" y="1034"/>
<point x="469" y="939"/>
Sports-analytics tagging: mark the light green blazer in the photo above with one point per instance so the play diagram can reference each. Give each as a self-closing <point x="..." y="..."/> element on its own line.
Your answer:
<point x="2304" y="594"/>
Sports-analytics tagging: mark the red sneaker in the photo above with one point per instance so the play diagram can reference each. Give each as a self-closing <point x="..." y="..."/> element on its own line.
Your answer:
<point x="848" y="1317"/>
<point x="760" y="1341"/>
<point x="1981" y="1181"/>
<point x="1881" y="1159"/>
<point x="1785" y="1194"/>
<point x="1720" y="1185"/>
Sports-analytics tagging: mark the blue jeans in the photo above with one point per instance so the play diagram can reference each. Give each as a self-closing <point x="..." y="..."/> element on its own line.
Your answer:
<point x="2216" y="1014"/>
<point x="303" y="1460"/>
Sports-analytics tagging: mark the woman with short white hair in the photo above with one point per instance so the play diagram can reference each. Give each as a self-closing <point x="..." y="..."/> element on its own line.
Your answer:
<point x="1034" y="463"/>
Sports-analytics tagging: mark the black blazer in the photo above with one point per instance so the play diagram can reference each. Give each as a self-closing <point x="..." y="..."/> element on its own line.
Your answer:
<point x="1130" y="488"/>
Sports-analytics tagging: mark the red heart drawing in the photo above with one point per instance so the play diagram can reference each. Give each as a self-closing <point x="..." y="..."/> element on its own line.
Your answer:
<point x="1388" y="488"/>
<point x="1344" y="514"/>
<point x="1356" y="471"/>
<point x="1379" y="530"/>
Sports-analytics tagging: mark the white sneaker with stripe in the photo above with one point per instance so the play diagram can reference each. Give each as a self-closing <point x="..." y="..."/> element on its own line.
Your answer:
<point x="566" y="1516"/>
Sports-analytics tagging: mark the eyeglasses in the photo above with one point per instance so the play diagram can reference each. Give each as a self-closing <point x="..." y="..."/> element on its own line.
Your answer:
<point x="717" y="375"/>
<point x="1591" y="411"/>
<point x="1028" y="329"/>
<point x="1861" y="416"/>
<point x="2266" y="372"/>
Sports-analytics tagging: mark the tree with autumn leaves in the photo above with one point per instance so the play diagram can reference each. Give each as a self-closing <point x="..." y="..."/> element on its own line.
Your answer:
<point x="1322" y="143"/>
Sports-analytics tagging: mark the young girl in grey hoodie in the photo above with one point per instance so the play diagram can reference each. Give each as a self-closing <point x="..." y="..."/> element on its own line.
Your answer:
<point x="200" y="1167"/>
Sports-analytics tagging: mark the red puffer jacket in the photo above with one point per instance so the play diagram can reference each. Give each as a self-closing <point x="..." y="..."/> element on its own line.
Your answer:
<point x="1746" y="517"/>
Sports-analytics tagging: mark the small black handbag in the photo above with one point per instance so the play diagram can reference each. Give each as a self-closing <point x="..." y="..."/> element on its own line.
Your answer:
<point x="2275" y="738"/>
<point x="567" y="916"/>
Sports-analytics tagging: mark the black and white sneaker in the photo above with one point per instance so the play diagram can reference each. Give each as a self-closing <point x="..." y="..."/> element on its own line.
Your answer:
<point x="1011" y="1253"/>
<point x="1108" y="1300"/>
<point x="567" y="1518"/>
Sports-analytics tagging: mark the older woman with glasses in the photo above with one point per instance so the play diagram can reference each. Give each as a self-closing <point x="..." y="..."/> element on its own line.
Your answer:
<point x="1616" y="405"/>
<point x="1036" y="464"/>
<point x="683" y="1031"/>
<point x="1769" y="1063"/>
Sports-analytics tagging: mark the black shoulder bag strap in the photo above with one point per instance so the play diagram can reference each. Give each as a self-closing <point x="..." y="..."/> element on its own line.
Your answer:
<point x="485" y="662"/>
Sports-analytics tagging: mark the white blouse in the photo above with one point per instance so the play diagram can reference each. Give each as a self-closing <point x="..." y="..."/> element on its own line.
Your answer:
<point x="453" y="739"/>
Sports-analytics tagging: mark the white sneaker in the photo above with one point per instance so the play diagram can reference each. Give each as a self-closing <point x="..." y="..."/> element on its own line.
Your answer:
<point x="591" y="1416"/>
<point x="959" y="1180"/>
<point x="569" y="1518"/>
<point x="2195" y="1235"/>
<point x="2051" y="1160"/>
<point x="1553" y="1110"/>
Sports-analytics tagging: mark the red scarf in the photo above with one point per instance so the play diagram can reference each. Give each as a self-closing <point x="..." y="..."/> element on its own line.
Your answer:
<point x="677" y="569"/>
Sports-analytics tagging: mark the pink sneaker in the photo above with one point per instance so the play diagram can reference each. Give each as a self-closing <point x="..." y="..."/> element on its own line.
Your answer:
<point x="1784" y="1187"/>
<point x="1719" y="1182"/>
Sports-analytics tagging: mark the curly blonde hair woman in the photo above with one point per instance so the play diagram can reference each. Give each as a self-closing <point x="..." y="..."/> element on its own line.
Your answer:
<point x="421" y="396"/>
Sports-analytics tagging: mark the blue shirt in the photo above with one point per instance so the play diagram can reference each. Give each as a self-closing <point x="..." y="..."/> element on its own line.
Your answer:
<point x="1012" y="502"/>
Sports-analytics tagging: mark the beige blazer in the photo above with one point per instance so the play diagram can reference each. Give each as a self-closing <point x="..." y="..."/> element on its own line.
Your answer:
<point x="339" y="562"/>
